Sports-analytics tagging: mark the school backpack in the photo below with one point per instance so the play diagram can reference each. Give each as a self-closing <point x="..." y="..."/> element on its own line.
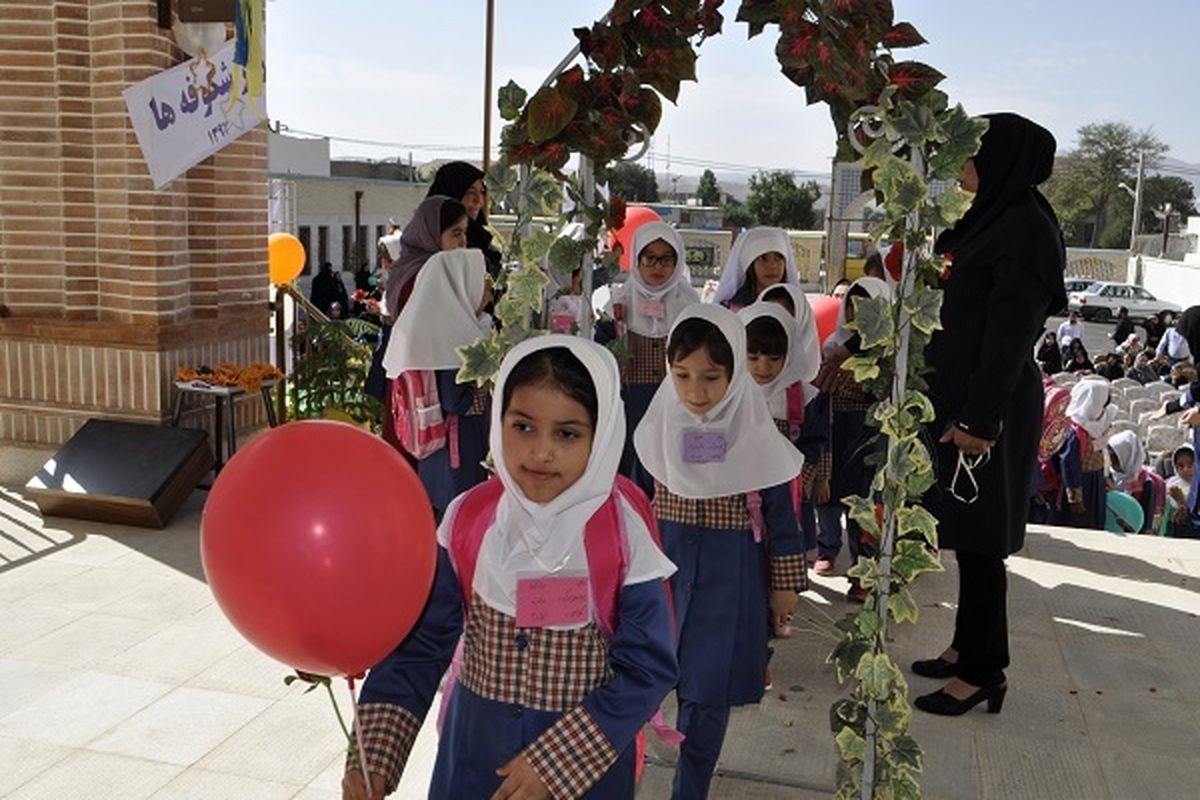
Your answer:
<point x="1055" y="424"/>
<point x="417" y="413"/>
<point x="607" y="551"/>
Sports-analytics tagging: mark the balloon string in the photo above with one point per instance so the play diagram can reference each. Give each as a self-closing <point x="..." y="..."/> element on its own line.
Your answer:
<point x="358" y="737"/>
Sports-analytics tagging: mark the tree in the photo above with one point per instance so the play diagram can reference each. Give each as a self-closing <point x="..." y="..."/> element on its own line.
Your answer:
<point x="736" y="215"/>
<point x="775" y="199"/>
<point x="1084" y="189"/>
<point x="708" y="192"/>
<point x="634" y="183"/>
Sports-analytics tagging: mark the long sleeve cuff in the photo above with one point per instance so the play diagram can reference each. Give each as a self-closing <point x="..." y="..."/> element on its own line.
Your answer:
<point x="389" y="732"/>
<point x="789" y="573"/>
<point x="572" y="755"/>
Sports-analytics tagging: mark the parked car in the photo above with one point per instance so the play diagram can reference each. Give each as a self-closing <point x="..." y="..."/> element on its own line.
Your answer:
<point x="1077" y="284"/>
<point x="1100" y="301"/>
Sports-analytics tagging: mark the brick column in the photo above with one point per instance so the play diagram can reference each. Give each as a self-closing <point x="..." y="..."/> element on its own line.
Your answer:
<point x="110" y="285"/>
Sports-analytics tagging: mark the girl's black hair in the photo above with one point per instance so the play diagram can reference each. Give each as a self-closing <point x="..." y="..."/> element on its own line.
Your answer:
<point x="765" y="336"/>
<point x="779" y="294"/>
<point x="452" y="212"/>
<point x="858" y="291"/>
<point x="1183" y="452"/>
<point x="555" y="368"/>
<point x="693" y="334"/>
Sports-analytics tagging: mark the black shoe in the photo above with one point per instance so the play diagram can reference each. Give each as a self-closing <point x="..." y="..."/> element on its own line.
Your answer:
<point x="938" y="668"/>
<point x="944" y="705"/>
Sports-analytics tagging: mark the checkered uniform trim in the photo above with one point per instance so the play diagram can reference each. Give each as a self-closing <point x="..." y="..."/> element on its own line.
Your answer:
<point x="647" y="359"/>
<point x="824" y="469"/>
<point x="726" y="513"/>
<point x="851" y="397"/>
<point x="1092" y="460"/>
<point x="536" y="668"/>
<point x="789" y="573"/>
<point x="572" y="755"/>
<point x="480" y="402"/>
<point x="783" y="427"/>
<point x="388" y="734"/>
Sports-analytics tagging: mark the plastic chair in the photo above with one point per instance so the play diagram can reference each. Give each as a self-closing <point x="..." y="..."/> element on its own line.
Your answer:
<point x="1065" y="378"/>
<point x="1139" y="407"/>
<point x="1126" y="383"/>
<point x="1138" y="393"/>
<point x="1122" y="425"/>
<point x="1165" y="438"/>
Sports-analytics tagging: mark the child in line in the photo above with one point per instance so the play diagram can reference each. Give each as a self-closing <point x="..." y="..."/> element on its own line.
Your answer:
<point x="564" y="294"/>
<point x="816" y="429"/>
<point x="1128" y="473"/>
<point x="1178" y="487"/>
<point x="852" y="441"/>
<point x="761" y="257"/>
<point x="645" y="307"/>
<point x="445" y="313"/>
<point x="1080" y="464"/>
<point x="547" y="706"/>
<point x="723" y="502"/>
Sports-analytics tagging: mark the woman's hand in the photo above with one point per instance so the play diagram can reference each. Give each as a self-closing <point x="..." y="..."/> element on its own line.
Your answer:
<point x="1078" y="508"/>
<point x="354" y="788"/>
<point x="971" y="445"/>
<point x="822" y="491"/>
<point x="1190" y="418"/>
<point x="783" y="606"/>
<point x="1159" y="414"/>
<point x="520" y="782"/>
<point x="831" y="376"/>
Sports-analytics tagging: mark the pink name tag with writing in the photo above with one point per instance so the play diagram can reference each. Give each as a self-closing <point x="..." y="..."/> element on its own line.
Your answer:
<point x="704" y="447"/>
<point x="552" y="600"/>
<point x="561" y="323"/>
<point x="654" y="309"/>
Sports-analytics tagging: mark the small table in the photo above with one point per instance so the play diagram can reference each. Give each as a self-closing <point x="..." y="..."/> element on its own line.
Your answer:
<point x="224" y="436"/>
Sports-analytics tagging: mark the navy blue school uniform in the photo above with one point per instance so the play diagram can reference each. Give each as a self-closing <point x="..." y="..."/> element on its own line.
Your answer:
<point x="722" y="613"/>
<point x="570" y="702"/>
<point x="814" y="440"/>
<point x="641" y="376"/>
<point x="469" y="404"/>
<point x="851" y="440"/>
<point x="1082" y="469"/>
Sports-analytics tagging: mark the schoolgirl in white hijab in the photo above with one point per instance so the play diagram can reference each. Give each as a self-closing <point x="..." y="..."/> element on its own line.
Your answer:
<point x="651" y="310"/>
<point x="549" y="537"/>
<point x="806" y="342"/>
<point x="874" y="287"/>
<point x="1090" y="409"/>
<point x="797" y="366"/>
<point x="442" y="315"/>
<point x="1131" y="455"/>
<point x="749" y="246"/>
<point x="756" y="456"/>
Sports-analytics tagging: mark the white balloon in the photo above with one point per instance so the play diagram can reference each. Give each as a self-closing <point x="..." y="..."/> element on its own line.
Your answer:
<point x="194" y="36"/>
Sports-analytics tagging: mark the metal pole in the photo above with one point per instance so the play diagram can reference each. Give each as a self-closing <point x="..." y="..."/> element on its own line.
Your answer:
<point x="587" y="185"/>
<point x="280" y="356"/>
<point x="1166" y="228"/>
<point x="487" y="86"/>
<point x="1137" y="204"/>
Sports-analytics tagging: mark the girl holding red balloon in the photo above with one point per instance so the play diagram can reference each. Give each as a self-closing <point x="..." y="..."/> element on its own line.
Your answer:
<point x="645" y="307"/>
<point x="551" y="576"/>
<point x="761" y="257"/>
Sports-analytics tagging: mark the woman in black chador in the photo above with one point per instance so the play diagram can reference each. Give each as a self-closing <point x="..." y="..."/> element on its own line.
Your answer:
<point x="1005" y="277"/>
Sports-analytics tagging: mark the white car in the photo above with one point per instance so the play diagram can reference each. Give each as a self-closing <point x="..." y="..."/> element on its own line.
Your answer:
<point x="1101" y="300"/>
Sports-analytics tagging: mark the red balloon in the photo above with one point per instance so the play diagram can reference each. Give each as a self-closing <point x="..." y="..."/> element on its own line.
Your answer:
<point x="825" y="311"/>
<point x="319" y="545"/>
<point x="635" y="217"/>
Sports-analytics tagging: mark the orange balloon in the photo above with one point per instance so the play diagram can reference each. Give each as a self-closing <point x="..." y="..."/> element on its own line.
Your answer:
<point x="285" y="258"/>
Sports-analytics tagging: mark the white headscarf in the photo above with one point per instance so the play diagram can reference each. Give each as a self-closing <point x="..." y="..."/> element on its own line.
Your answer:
<point x="1089" y="409"/>
<point x="1131" y="453"/>
<point x="675" y="295"/>
<point x="874" y="287"/>
<point x="441" y="315"/>
<point x="794" y="369"/>
<point x="749" y="246"/>
<point x="531" y="537"/>
<point x="757" y="457"/>
<point x="391" y="243"/>
<point x="807" y="342"/>
<point x="564" y="304"/>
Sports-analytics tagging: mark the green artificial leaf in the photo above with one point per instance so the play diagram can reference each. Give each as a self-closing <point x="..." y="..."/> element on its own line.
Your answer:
<point x="869" y="623"/>
<point x="902" y="188"/>
<point x="565" y="255"/>
<point x="902" y="606"/>
<point x="911" y="559"/>
<point x="878" y="674"/>
<point x="480" y="361"/>
<point x="892" y="717"/>
<point x="862" y="511"/>
<point x="912" y="122"/>
<point x="924" y="307"/>
<point x="902" y="34"/>
<point x="511" y="99"/>
<point x="916" y="519"/>
<point x="847" y="712"/>
<point x="863" y="367"/>
<point x="851" y="746"/>
<point x="846" y="655"/>
<point x="549" y="112"/>
<point x="951" y="205"/>
<point x="905" y="787"/>
<point x="904" y="752"/>
<point x="960" y="137"/>
<point x="878" y="154"/>
<point x="919" y="405"/>
<point x="873" y="321"/>
<point x="525" y="288"/>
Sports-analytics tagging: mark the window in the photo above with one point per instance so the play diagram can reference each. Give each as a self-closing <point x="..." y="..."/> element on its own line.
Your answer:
<point x="1108" y="291"/>
<point x="306" y="243"/>
<point x="380" y="232"/>
<point x="322" y="244"/>
<point x="360" y="256"/>
<point x="347" y="245"/>
<point x="1142" y="294"/>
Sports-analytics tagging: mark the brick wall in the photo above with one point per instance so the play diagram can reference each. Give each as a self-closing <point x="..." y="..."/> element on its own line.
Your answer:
<point x="108" y="283"/>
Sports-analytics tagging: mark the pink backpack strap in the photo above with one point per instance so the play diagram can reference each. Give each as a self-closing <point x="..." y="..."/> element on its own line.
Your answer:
<point x="452" y="441"/>
<point x="754" y="506"/>
<point x="474" y="515"/>
<point x="795" y="408"/>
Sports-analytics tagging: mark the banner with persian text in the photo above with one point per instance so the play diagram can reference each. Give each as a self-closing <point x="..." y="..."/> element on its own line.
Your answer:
<point x="185" y="114"/>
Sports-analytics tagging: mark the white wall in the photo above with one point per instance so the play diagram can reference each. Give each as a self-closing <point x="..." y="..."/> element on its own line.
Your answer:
<point x="1176" y="281"/>
<point x="288" y="155"/>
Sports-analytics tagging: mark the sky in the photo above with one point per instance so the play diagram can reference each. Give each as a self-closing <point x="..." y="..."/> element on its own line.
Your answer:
<point x="410" y="73"/>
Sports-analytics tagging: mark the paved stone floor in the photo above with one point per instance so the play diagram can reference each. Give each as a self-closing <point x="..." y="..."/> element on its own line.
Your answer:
<point x="120" y="678"/>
